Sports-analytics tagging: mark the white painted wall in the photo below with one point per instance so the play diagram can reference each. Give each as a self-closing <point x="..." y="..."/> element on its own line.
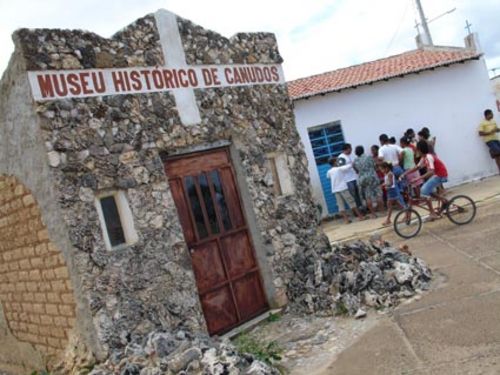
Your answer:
<point x="449" y="100"/>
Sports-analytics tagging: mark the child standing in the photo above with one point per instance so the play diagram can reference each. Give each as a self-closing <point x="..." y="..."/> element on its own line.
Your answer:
<point x="393" y="193"/>
<point x="337" y="177"/>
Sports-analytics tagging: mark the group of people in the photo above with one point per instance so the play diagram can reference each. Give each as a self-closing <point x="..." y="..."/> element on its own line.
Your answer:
<point x="378" y="178"/>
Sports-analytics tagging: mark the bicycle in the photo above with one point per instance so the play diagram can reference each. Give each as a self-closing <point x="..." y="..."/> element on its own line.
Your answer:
<point x="459" y="209"/>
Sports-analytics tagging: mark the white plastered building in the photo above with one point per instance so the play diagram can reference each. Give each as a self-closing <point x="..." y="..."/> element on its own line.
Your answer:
<point x="443" y="88"/>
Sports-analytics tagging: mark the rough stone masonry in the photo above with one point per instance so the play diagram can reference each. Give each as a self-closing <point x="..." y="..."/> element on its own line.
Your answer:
<point x="66" y="297"/>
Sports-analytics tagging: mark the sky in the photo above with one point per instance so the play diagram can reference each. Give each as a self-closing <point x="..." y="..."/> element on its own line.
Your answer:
<point x="314" y="36"/>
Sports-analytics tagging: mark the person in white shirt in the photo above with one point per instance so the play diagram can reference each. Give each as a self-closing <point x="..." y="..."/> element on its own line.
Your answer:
<point x="336" y="174"/>
<point x="390" y="154"/>
<point x="351" y="176"/>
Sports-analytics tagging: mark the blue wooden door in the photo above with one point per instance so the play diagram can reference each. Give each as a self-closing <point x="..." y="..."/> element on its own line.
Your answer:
<point x="326" y="141"/>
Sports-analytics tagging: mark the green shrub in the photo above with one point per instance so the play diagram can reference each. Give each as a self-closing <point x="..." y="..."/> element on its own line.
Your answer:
<point x="341" y="309"/>
<point x="268" y="352"/>
<point x="273" y="317"/>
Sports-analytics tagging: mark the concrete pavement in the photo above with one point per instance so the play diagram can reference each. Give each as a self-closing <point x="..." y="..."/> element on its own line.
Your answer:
<point x="454" y="328"/>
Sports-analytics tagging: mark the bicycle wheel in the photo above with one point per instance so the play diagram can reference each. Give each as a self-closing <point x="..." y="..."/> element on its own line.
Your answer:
<point x="461" y="210"/>
<point x="407" y="223"/>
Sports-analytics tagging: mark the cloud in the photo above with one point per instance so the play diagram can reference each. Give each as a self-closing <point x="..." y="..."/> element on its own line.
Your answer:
<point x="313" y="37"/>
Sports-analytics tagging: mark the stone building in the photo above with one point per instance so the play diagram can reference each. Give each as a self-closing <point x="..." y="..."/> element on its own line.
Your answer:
<point x="151" y="180"/>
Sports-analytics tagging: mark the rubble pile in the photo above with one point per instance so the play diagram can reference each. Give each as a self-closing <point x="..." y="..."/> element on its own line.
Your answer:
<point x="183" y="353"/>
<point x="347" y="277"/>
<point x="339" y="280"/>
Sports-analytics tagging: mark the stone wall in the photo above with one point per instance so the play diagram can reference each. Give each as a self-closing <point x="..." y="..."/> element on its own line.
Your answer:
<point x="35" y="291"/>
<point x="23" y="157"/>
<point x="114" y="143"/>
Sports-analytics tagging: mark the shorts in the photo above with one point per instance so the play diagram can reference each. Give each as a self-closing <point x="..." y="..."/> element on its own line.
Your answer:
<point x="397" y="170"/>
<point x="413" y="178"/>
<point x="431" y="184"/>
<point x="494" y="147"/>
<point x="393" y="194"/>
<point x="344" y="198"/>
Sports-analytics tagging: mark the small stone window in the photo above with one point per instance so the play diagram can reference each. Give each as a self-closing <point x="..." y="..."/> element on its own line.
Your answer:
<point x="278" y="167"/>
<point x="116" y="220"/>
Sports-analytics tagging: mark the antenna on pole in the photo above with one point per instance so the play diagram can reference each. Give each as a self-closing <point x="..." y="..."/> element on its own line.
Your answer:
<point x="423" y="22"/>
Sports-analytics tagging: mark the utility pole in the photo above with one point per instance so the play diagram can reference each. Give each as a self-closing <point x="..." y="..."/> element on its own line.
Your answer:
<point x="423" y="22"/>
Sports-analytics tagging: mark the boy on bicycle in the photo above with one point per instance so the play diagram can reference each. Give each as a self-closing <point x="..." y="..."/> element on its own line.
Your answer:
<point x="436" y="175"/>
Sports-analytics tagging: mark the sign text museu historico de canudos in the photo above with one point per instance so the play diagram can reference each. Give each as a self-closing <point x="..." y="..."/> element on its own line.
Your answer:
<point x="59" y="84"/>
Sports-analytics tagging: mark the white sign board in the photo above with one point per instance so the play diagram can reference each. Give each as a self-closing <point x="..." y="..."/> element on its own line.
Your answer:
<point x="61" y="84"/>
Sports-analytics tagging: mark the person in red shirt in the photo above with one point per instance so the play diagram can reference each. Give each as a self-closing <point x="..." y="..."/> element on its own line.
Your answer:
<point x="436" y="175"/>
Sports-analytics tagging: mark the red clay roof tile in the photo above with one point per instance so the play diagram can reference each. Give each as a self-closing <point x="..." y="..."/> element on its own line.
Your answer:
<point x="373" y="71"/>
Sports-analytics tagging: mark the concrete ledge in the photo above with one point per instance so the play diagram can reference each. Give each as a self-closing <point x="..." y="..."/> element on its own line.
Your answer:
<point x="250" y="324"/>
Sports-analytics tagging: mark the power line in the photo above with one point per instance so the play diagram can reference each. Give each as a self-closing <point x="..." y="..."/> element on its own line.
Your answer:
<point x="399" y="26"/>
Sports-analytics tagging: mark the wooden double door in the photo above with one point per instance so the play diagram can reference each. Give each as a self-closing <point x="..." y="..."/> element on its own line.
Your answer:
<point x="206" y="195"/>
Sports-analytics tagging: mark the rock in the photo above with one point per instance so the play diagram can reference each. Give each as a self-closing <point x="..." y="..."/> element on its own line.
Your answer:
<point x="49" y="114"/>
<point x="82" y="155"/>
<point x="141" y="175"/>
<point x="126" y="182"/>
<point x="342" y="279"/>
<point x="70" y="62"/>
<point x="54" y="159"/>
<point x="289" y="239"/>
<point x="134" y="350"/>
<point x="161" y="344"/>
<point x="131" y="369"/>
<point x="181" y="361"/>
<point x="403" y="272"/>
<point x="259" y="368"/>
<point x="370" y="299"/>
<point x="100" y="372"/>
<point x="318" y="273"/>
<point x="151" y="371"/>
<point x="360" y="314"/>
<point x="86" y="194"/>
<point x="268" y="180"/>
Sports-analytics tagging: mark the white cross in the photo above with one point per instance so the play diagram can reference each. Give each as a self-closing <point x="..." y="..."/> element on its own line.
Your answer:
<point x="173" y="53"/>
